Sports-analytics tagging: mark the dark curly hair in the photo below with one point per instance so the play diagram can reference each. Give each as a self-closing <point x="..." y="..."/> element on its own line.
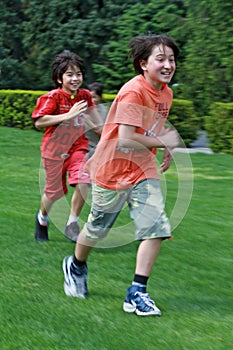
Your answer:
<point x="64" y="60"/>
<point x="97" y="87"/>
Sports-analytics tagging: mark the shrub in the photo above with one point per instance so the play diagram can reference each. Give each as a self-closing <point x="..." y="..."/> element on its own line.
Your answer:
<point x="183" y="117"/>
<point x="219" y="126"/>
<point x="16" y="107"/>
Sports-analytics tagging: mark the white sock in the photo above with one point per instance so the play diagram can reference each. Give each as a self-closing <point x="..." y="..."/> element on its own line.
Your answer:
<point x="43" y="219"/>
<point x="72" y="218"/>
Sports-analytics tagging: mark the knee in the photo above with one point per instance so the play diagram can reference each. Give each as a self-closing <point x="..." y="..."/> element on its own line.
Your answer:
<point x="54" y="196"/>
<point x="94" y="229"/>
<point x="96" y="232"/>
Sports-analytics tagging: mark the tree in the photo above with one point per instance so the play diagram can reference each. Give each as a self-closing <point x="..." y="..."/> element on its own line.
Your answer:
<point x="51" y="27"/>
<point x="156" y="17"/>
<point x="11" y="49"/>
<point x="208" y="66"/>
<point x="34" y="31"/>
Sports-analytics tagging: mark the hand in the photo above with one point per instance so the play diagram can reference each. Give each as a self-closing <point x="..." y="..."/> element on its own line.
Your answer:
<point x="167" y="159"/>
<point x="170" y="139"/>
<point x="76" y="109"/>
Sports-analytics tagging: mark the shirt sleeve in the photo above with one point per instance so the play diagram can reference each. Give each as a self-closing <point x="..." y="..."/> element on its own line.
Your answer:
<point x="129" y="109"/>
<point x="46" y="105"/>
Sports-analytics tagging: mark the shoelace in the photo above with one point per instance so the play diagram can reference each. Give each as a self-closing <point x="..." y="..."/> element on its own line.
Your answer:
<point x="146" y="298"/>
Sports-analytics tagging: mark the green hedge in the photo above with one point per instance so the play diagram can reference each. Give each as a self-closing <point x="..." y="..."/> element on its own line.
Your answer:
<point x="16" y="107"/>
<point x="219" y="126"/>
<point x="183" y="117"/>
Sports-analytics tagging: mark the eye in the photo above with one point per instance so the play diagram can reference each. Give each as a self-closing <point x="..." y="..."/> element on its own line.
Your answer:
<point x="160" y="58"/>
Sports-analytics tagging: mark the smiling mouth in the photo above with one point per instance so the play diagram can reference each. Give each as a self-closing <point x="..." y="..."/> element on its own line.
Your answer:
<point x="166" y="73"/>
<point x="74" y="86"/>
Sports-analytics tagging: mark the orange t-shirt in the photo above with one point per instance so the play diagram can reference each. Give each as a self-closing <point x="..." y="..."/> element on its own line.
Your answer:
<point x="140" y="105"/>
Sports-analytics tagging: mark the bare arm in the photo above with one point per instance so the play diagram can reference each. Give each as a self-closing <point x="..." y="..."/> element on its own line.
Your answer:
<point x="129" y="138"/>
<point x="49" y="120"/>
<point x="94" y="120"/>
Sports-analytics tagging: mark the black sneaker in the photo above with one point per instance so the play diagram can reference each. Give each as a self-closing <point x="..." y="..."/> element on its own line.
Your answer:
<point x="72" y="231"/>
<point x="41" y="231"/>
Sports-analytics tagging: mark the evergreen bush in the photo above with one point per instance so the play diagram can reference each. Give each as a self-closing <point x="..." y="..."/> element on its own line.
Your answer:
<point x="219" y="126"/>
<point x="183" y="117"/>
<point x="16" y="107"/>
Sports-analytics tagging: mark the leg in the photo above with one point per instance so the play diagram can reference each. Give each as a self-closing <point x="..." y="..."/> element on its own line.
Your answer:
<point x="42" y="219"/>
<point x="78" y="199"/>
<point x="55" y="188"/>
<point x="77" y="202"/>
<point x="46" y="205"/>
<point x="137" y="300"/>
<point x="152" y="226"/>
<point x="79" y="179"/>
<point x="83" y="247"/>
<point x="146" y="256"/>
<point x="106" y="206"/>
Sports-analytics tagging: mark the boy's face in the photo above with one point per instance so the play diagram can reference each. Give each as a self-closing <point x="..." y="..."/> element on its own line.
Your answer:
<point x="160" y="66"/>
<point x="72" y="79"/>
<point x="96" y="97"/>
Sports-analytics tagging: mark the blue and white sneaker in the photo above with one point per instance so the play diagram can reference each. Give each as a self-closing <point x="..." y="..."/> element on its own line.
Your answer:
<point x="75" y="282"/>
<point x="138" y="301"/>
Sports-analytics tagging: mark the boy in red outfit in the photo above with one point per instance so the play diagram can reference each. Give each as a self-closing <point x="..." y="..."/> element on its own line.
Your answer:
<point x="64" y="144"/>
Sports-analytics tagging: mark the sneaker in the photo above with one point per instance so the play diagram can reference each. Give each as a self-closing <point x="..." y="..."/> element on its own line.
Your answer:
<point x="75" y="282"/>
<point x="138" y="301"/>
<point x="72" y="231"/>
<point x="41" y="231"/>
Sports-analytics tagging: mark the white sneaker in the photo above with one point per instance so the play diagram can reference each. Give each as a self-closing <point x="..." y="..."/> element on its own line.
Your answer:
<point x="75" y="282"/>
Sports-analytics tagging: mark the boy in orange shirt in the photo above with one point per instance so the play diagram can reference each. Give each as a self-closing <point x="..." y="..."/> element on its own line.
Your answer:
<point x="123" y="170"/>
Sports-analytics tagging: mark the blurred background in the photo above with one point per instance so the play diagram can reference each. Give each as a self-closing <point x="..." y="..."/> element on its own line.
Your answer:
<point x="33" y="32"/>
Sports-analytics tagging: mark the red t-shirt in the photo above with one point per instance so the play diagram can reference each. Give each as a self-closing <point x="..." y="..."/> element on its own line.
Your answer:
<point x="68" y="136"/>
<point x="140" y="105"/>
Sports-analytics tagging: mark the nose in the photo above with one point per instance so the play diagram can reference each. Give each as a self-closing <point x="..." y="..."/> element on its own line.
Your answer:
<point x="167" y="63"/>
<point x="76" y="76"/>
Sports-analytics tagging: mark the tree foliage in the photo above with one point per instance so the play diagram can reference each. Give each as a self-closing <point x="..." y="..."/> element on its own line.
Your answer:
<point x="208" y="67"/>
<point x="33" y="32"/>
<point x="140" y="18"/>
<point x="11" y="48"/>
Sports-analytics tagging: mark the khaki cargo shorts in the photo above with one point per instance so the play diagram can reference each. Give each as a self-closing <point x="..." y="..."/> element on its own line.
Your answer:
<point x="145" y="202"/>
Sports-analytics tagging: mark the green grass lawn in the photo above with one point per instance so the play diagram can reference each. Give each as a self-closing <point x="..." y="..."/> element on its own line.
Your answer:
<point x="191" y="282"/>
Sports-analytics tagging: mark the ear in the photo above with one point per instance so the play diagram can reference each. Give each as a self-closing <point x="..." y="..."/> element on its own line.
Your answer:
<point x="143" y="64"/>
<point x="59" y="81"/>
